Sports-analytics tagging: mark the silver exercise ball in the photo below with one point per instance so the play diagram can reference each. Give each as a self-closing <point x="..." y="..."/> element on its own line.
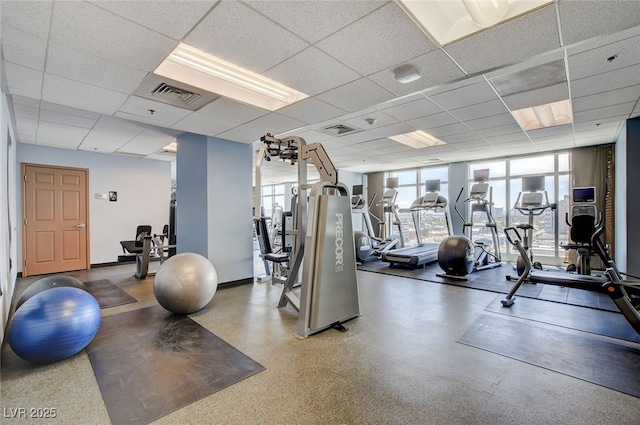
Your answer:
<point x="185" y="283"/>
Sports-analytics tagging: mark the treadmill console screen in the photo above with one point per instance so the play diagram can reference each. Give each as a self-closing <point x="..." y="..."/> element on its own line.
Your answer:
<point x="481" y="175"/>
<point x="533" y="184"/>
<point x="432" y="185"/>
<point x="584" y="195"/>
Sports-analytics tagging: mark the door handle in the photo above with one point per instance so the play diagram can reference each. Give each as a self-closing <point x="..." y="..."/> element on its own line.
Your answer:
<point x="81" y="226"/>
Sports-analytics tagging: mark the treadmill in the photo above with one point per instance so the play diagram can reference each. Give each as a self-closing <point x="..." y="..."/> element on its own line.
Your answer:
<point x="424" y="252"/>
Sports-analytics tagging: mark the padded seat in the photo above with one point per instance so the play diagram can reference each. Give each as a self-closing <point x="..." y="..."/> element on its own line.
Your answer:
<point x="135" y="246"/>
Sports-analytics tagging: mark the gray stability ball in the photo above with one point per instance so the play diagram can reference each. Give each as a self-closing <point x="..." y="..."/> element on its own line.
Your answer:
<point x="185" y="283"/>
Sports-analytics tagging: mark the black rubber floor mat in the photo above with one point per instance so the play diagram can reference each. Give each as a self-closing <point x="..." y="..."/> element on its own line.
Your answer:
<point x="150" y="362"/>
<point x="562" y="350"/>
<point x="108" y="294"/>
<point x="599" y="322"/>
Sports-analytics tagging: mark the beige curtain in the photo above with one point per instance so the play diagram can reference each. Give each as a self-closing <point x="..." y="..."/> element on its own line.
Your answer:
<point x="596" y="167"/>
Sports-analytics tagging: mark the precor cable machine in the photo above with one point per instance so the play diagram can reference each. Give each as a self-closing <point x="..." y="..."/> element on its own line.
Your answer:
<point x="323" y="234"/>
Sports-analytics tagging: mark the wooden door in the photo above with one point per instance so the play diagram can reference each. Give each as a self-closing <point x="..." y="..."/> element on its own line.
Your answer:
<point x="55" y="219"/>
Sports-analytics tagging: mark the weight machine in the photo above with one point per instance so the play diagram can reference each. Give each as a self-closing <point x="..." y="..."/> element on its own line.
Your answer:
<point x="322" y="233"/>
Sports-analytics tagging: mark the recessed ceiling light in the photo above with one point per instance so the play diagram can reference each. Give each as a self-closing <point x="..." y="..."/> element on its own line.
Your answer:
<point x="200" y="69"/>
<point x="171" y="147"/>
<point x="547" y="115"/>
<point x="450" y="20"/>
<point x="417" y="139"/>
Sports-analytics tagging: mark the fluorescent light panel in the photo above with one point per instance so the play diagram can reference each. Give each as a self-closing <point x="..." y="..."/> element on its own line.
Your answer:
<point x="547" y="115"/>
<point x="200" y="69"/>
<point x="450" y="20"/>
<point x="171" y="147"/>
<point x="417" y="139"/>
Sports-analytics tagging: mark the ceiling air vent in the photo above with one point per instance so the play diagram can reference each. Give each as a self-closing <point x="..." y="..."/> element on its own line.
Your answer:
<point x="339" y="129"/>
<point x="172" y="92"/>
<point x="185" y="96"/>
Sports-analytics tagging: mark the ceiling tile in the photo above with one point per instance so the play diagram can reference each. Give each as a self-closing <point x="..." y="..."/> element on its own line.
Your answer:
<point x="449" y="130"/>
<point x="356" y="95"/>
<point x="537" y="97"/>
<point x="27" y="126"/>
<point x="314" y="20"/>
<point x="511" y="138"/>
<point x="311" y="107"/>
<point x="139" y="109"/>
<point x="246" y="133"/>
<point x="103" y="145"/>
<point x="623" y="109"/>
<point x="29" y="16"/>
<point x="275" y="123"/>
<point x="64" y="142"/>
<point x="435" y="69"/>
<point x="433" y="121"/>
<point x="230" y="110"/>
<point x="480" y="110"/>
<point x="456" y="137"/>
<point x="50" y="129"/>
<point x="500" y="130"/>
<point x="146" y="144"/>
<point x="393" y="130"/>
<point x="625" y="77"/>
<point x="509" y="42"/>
<point x="22" y="48"/>
<point x="203" y="124"/>
<point x="28" y="81"/>
<point x="118" y="126"/>
<point x="87" y="68"/>
<point x="584" y="19"/>
<point x="85" y="27"/>
<point x="66" y="119"/>
<point x="464" y="96"/>
<point x="173" y="19"/>
<point x="550" y="131"/>
<point x="24" y="111"/>
<point x="27" y="101"/>
<point x="48" y="106"/>
<point x="419" y="108"/>
<point x="238" y="34"/>
<point x="306" y="72"/>
<point x="491" y="122"/>
<point x="595" y="61"/>
<point x="380" y="119"/>
<point x="381" y="39"/>
<point x="610" y="98"/>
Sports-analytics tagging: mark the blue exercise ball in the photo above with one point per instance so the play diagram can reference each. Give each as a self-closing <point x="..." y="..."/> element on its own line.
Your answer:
<point x="185" y="283"/>
<point x="54" y="324"/>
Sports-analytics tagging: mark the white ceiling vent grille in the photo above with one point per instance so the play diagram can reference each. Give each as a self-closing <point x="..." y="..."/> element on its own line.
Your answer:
<point x="339" y="129"/>
<point x="185" y="96"/>
<point x="174" y="93"/>
<point x="540" y="76"/>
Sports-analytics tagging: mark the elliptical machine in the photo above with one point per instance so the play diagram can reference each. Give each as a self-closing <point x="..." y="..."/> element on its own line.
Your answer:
<point x="532" y="201"/>
<point x="461" y="255"/>
<point x="368" y="245"/>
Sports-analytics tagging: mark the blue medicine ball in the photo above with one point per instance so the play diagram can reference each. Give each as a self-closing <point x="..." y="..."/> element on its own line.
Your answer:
<point x="54" y="324"/>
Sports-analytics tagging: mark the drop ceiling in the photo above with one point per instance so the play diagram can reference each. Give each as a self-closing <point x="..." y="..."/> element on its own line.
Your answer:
<point x="72" y="69"/>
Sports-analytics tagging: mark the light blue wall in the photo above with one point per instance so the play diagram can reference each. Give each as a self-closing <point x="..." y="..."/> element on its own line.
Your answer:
<point x="457" y="180"/>
<point x="191" y="194"/>
<point x="230" y="203"/>
<point x="214" y="202"/>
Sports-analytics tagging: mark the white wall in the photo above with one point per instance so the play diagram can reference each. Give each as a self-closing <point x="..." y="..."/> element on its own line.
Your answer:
<point x="8" y="208"/>
<point x="144" y="194"/>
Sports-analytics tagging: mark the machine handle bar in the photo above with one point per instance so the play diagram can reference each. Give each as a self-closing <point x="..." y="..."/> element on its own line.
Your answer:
<point x="514" y="230"/>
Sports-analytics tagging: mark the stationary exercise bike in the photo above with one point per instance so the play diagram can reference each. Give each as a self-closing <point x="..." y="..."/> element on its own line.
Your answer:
<point x="532" y="201"/>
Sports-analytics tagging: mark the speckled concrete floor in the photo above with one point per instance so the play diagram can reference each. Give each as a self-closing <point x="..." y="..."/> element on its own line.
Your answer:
<point x="398" y="364"/>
